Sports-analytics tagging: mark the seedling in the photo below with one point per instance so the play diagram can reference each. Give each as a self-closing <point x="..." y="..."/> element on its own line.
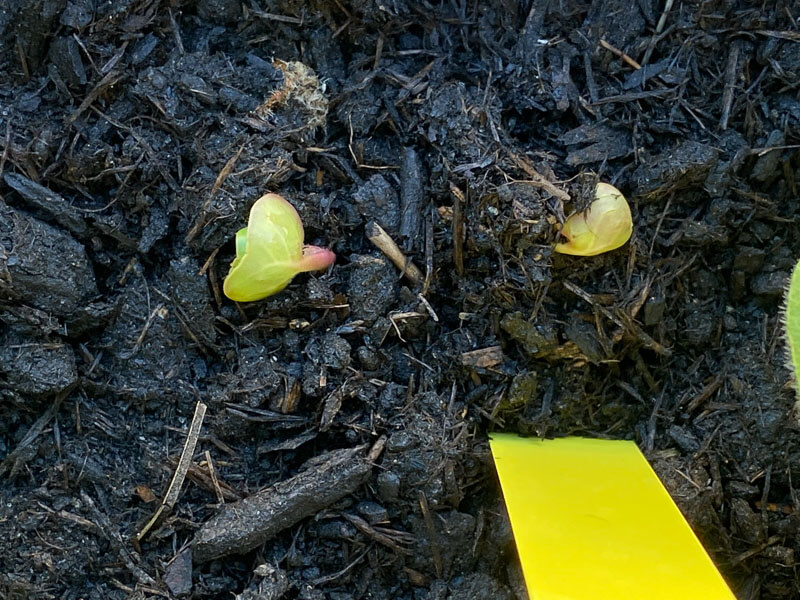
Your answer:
<point x="604" y="226"/>
<point x="791" y="315"/>
<point x="270" y="252"/>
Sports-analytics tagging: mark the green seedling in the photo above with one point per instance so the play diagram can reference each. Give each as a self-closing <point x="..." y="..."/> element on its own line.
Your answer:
<point x="270" y="252"/>
<point x="791" y="318"/>
<point x="604" y="226"/>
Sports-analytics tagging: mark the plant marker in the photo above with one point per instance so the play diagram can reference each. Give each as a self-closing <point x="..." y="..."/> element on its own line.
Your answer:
<point x="791" y="320"/>
<point x="592" y="521"/>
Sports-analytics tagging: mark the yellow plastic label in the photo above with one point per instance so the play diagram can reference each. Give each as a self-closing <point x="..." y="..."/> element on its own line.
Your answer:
<point x="592" y="521"/>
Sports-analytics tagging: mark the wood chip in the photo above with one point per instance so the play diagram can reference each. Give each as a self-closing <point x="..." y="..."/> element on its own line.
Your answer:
<point x="483" y="357"/>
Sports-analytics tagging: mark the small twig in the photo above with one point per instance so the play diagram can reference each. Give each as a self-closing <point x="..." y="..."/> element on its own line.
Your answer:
<point x="384" y="242"/>
<point x="108" y="531"/>
<point x="245" y="525"/>
<point x="634" y="96"/>
<point x="224" y="172"/>
<point x="274" y="17"/>
<point x="433" y="538"/>
<point x="428" y="251"/>
<point x="730" y="82"/>
<point x="708" y="390"/>
<point x="23" y="61"/>
<point x="763" y="151"/>
<point x="335" y="576"/>
<point x="428" y="307"/>
<point x="176" y="30"/>
<point x="617" y="52"/>
<point x="783" y="35"/>
<point x="537" y="179"/>
<point x="159" y="311"/>
<point x="19" y="455"/>
<point x="774" y="539"/>
<point x="107" y="81"/>
<point x="213" y="473"/>
<point x="459" y="201"/>
<point x="200" y="476"/>
<point x="657" y="35"/>
<point x="202" y="219"/>
<point x="213" y="279"/>
<point x="6" y="148"/>
<point x="629" y="326"/>
<point x="209" y="262"/>
<point x="378" y="52"/>
<point x="376" y="449"/>
<point x="174" y="489"/>
<point x="382" y="535"/>
<point x="663" y="20"/>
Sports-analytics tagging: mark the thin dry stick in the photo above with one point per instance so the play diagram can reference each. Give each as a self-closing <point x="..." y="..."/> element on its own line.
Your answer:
<point x="221" y="177"/>
<point x="226" y="170"/>
<point x="663" y="20"/>
<point x="208" y="262"/>
<point x="730" y="82"/>
<point x="432" y="536"/>
<point x="171" y="497"/>
<point x="110" y="78"/>
<point x="628" y="326"/>
<point x="381" y="535"/>
<point x="659" y="28"/>
<point x="103" y="525"/>
<point x="384" y="242"/>
<point x="459" y="201"/>
<point x="6" y="148"/>
<point x="617" y="52"/>
<point x="213" y="473"/>
<point x="537" y="179"/>
<point x="428" y="307"/>
<point x="17" y="457"/>
<point x="428" y="251"/>
<point x="159" y="311"/>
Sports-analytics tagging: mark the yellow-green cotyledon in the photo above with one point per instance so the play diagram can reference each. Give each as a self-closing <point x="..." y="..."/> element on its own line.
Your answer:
<point x="270" y="252"/>
<point x="604" y="226"/>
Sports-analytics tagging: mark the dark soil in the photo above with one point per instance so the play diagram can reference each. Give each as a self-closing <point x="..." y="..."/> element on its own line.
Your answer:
<point x="135" y="135"/>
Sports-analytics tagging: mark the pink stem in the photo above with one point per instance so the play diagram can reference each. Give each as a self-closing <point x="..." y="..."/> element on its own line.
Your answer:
<point x="315" y="259"/>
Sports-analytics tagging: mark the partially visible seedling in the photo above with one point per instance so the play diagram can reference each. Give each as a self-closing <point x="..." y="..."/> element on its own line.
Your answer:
<point x="791" y="316"/>
<point x="604" y="226"/>
<point x="270" y="252"/>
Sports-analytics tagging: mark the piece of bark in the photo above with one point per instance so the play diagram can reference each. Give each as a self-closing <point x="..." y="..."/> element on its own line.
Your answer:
<point x="50" y="204"/>
<point x="250" y="522"/>
<point x="483" y="358"/>
<point x="411" y="193"/>
<point x="178" y="574"/>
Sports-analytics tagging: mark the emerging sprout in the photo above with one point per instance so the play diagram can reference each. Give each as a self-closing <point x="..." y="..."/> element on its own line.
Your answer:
<point x="791" y="317"/>
<point x="270" y="252"/>
<point x="605" y="225"/>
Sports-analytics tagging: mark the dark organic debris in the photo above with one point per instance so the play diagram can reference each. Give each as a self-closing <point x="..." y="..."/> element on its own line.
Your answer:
<point x="454" y="137"/>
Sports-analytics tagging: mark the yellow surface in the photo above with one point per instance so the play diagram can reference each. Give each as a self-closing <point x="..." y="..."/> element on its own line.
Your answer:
<point x="592" y="522"/>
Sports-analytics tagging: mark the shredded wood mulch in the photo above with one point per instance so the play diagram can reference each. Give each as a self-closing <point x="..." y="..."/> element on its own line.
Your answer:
<point x="436" y="147"/>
